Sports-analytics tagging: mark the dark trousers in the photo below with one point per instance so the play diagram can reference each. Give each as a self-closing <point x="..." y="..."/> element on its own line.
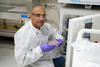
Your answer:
<point x="59" y="62"/>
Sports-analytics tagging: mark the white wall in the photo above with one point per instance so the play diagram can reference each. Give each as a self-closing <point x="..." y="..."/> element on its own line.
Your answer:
<point x="52" y="10"/>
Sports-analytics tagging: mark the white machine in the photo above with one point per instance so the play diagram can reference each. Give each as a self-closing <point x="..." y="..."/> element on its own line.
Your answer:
<point x="75" y="25"/>
<point x="84" y="52"/>
<point x="89" y="2"/>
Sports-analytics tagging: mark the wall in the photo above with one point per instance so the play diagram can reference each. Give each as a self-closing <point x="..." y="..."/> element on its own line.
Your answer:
<point x="52" y="8"/>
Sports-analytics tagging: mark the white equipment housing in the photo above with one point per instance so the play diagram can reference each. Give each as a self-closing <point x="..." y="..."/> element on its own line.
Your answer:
<point x="89" y="2"/>
<point x="75" y="25"/>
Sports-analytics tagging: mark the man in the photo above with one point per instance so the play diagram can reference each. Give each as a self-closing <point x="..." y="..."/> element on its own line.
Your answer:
<point x="37" y="43"/>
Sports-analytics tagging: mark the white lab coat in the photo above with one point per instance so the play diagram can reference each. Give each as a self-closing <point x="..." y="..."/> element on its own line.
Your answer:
<point x="27" y="46"/>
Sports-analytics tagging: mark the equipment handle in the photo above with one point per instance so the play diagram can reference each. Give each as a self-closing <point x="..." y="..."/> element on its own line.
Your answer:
<point x="82" y="31"/>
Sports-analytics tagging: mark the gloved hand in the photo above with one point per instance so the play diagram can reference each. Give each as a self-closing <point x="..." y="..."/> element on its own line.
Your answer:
<point x="47" y="47"/>
<point x="60" y="42"/>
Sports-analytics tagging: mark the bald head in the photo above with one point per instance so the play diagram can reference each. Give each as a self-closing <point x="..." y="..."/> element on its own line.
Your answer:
<point x="38" y="8"/>
<point x="38" y="16"/>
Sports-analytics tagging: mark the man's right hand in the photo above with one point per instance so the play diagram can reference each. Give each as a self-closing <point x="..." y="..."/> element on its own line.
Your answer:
<point x="48" y="46"/>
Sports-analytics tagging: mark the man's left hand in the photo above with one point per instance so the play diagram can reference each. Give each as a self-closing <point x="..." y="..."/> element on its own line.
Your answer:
<point x="60" y="42"/>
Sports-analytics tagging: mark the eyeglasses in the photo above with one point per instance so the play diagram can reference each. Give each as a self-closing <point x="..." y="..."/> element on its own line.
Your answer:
<point x="38" y="15"/>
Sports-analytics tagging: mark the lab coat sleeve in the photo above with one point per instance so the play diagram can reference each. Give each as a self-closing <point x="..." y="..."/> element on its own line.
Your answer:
<point x="25" y="53"/>
<point x="53" y="32"/>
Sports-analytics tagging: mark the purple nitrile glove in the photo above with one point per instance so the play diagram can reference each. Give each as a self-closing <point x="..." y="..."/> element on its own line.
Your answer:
<point x="60" y="42"/>
<point x="46" y="47"/>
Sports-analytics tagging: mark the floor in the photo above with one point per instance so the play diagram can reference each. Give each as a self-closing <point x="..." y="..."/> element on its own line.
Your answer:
<point x="7" y="52"/>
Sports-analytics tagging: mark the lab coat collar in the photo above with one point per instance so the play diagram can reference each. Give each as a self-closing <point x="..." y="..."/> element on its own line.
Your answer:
<point x="36" y="30"/>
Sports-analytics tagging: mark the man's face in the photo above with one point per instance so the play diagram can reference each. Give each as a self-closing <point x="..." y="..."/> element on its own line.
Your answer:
<point x="38" y="17"/>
